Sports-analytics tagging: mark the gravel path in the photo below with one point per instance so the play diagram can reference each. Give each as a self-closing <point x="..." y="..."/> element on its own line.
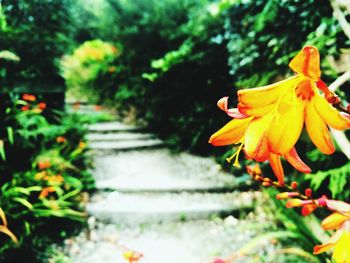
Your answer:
<point x="171" y="208"/>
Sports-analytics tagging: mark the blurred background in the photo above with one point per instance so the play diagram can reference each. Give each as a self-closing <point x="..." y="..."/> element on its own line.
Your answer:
<point x="162" y="66"/>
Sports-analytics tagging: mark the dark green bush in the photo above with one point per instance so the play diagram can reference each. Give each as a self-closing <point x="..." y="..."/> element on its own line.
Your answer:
<point x="43" y="168"/>
<point x="38" y="31"/>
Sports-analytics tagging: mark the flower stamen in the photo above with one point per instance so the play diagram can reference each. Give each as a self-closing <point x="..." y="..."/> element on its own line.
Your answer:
<point x="236" y="155"/>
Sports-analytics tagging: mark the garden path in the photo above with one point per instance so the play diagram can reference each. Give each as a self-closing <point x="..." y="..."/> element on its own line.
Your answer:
<point x="172" y="208"/>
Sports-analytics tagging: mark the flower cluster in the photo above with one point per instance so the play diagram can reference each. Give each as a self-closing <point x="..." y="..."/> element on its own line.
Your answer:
<point x="268" y="120"/>
<point x="30" y="105"/>
<point x="339" y="220"/>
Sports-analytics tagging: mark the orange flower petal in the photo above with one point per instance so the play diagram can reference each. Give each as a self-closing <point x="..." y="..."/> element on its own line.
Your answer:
<point x="318" y="130"/>
<point x="285" y="129"/>
<point x="334" y="221"/>
<point x="262" y="96"/>
<point x="263" y="152"/>
<point x="276" y="165"/>
<point x="318" y="249"/>
<point x="307" y="63"/>
<point x="255" y="135"/>
<point x="256" y="111"/>
<point x="330" y="243"/>
<point x="308" y="209"/>
<point x="293" y="158"/>
<point x="231" y="133"/>
<point x="329" y="114"/>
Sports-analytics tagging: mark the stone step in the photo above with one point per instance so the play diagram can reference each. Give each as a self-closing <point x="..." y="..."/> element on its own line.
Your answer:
<point x="120" y="136"/>
<point x="174" y="242"/>
<point x="160" y="170"/>
<point x="125" y="145"/>
<point x="113" y="126"/>
<point x="134" y="209"/>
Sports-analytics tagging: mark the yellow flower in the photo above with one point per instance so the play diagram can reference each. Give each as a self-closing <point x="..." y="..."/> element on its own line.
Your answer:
<point x="340" y="241"/>
<point x="274" y="116"/>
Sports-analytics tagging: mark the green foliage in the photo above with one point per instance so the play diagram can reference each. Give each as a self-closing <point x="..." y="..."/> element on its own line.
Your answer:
<point x="264" y="35"/>
<point x="337" y="179"/>
<point x="89" y="62"/>
<point x="304" y="232"/>
<point x="43" y="177"/>
<point x="38" y="31"/>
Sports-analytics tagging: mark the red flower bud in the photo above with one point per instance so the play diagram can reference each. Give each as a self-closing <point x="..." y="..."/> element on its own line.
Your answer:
<point x="308" y="192"/>
<point x="294" y="185"/>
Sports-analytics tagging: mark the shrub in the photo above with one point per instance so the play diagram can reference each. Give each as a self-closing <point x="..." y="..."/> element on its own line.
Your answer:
<point x="43" y="171"/>
<point x="89" y="70"/>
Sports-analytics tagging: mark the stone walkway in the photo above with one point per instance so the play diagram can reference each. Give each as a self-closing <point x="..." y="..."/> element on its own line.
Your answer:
<point x="172" y="208"/>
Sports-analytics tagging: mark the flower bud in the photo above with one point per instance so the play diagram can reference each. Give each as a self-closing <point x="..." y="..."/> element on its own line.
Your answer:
<point x="286" y="195"/>
<point x="308" y="192"/>
<point x="294" y="185"/>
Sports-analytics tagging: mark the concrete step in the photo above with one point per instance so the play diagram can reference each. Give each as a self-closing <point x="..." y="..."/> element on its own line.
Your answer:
<point x="134" y="209"/>
<point x="160" y="170"/>
<point x="115" y="126"/>
<point x="120" y="136"/>
<point x="125" y="145"/>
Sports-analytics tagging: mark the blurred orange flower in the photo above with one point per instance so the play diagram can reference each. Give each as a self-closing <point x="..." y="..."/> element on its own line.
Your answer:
<point x="44" y="165"/>
<point x="61" y="139"/>
<point x="28" y="97"/>
<point x="46" y="191"/>
<point x="81" y="145"/>
<point x="272" y="117"/>
<point x="132" y="256"/>
<point x="25" y="108"/>
<point x="42" y="105"/>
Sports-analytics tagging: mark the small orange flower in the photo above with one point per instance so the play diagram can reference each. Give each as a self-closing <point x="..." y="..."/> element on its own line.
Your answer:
<point x="46" y="191"/>
<point x="44" y="165"/>
<point x="25" y="108"/>
<point x="61" y="139"/>
<point x="98" y="107"/>
<point x="269" y="119"/>
<point x="28" y="97"/>
<point x="42" y="105"/>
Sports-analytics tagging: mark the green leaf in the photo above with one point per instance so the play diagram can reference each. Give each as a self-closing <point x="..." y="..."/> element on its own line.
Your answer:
<point x="2" y="150"/>
<point x="10" y="134"/>
<point x="23" y="202"/>
<point x="337" y="183"/>
<point x="337" y="179"/>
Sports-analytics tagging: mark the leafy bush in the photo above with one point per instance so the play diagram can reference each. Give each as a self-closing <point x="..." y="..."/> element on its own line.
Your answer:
<point x="43" y="171"/>
<point x="38" y="31"/>
<point x="89" y="70"/>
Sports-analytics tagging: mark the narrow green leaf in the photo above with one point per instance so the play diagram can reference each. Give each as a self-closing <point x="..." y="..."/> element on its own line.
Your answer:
<point x="2" y="150"/>
<point x="23" y="202"/>
<point x="10" y="134"/>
